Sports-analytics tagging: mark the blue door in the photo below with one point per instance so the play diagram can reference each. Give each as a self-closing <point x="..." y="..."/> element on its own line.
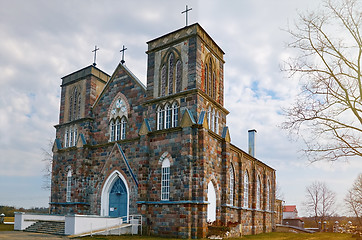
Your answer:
<point x="118" y="200"/>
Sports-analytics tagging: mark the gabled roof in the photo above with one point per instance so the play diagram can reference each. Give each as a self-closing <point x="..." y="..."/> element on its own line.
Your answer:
<point x="290" y="208"/>
<point x="144" y="88"/>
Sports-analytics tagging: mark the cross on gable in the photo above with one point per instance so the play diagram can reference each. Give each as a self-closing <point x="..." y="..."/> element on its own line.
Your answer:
<point x="122" y="51"/>
<point x="95" y="55"/>
<point x="186" y="11"/>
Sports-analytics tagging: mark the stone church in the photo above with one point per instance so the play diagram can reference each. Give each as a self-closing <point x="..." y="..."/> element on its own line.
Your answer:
<point x="163" y="150"/>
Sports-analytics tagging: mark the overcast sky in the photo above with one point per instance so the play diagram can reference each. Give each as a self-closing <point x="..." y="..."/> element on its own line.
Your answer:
<point x="42" y="41"/>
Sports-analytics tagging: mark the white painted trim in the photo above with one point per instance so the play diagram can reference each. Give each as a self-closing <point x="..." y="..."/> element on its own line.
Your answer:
<point x="113" y="177"/>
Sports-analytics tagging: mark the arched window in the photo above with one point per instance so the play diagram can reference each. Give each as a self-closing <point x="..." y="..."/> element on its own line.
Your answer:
<point x="217" y="123"/>
<point x="213" y="85"/>
<point x="175" y="114"/>
<point x="170" y="73"/>
<point x="66" y="138"/>
<point x="268" y="200"/>
<point x="118" y="120"/>
<point x="209" y="78"/>
<point x="69" y="186"/>
<point x="70" y="136"/>
<point x="165" y="181"/>
<point x="178" y="76"/>
<point x="205" y="82"/>
<point x="163" y="81"/>
<point x="213" y="120"/>
<point x="71" y="140"/>
<point x="258" y="193"/>
<point x="209" y="117"/>
<point x="168" y="117"/>
<point x="70" y="108"/>
<point x="112" y="130"/>
<point x="75" y="95"/>
<point x="160" y="118"/>
<point x="123" y="128"/>
<point x="75" y="135"/>
<point x="79" y="106"/>
<point x="118" y="129"/>
<point x="231" y="184"/>
<point x="246" y="189"/>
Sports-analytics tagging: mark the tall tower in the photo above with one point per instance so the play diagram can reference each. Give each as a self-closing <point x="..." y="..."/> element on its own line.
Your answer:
<point x="79" y="91"/>
<point x="187" y="65"/>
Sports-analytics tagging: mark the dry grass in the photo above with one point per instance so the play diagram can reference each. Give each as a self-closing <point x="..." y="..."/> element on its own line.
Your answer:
<point x="269" y="236"/>
<point x="6" y="227"/>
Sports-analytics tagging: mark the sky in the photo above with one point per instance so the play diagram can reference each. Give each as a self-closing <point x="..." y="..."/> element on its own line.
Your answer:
<point x="42" y="41"/>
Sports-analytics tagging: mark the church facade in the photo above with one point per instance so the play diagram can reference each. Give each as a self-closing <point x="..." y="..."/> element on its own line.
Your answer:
<point x="163" y="150"/>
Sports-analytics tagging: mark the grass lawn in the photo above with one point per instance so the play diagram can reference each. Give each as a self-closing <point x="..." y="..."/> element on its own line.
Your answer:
<point x="271" y="236"/>
<point x="6" y="227"/>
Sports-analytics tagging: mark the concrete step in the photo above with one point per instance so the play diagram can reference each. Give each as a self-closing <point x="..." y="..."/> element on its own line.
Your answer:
<point x="49" y="227"/>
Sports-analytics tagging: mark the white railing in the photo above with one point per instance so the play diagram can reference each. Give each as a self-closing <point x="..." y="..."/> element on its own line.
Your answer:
<point x="82" y="225"/>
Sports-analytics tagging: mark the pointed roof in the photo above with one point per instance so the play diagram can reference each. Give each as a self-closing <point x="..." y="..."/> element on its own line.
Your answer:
<point x="128" y="72"/>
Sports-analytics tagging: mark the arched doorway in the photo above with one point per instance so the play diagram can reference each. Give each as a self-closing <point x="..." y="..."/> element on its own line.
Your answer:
<point x="115" y="196"/>
<point x="211" y="207"/>
<point x="118" y="199"/>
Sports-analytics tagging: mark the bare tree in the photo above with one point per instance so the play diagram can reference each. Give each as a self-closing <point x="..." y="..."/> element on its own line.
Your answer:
<point x="320" y="201"/>
<point x="48" y="161"/>
<point x="354" y="199"/>
<point x="327" y="114"/>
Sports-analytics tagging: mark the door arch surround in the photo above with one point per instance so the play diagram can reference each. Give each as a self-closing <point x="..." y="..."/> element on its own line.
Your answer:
<point x="107" y="187"/>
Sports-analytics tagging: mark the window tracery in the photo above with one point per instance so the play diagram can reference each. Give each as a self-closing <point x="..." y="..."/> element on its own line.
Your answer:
<point x="70" y="136"/>
<point x="171" y="74"/>
<point x="118" y="120"/>
<point x="167" y="116"/>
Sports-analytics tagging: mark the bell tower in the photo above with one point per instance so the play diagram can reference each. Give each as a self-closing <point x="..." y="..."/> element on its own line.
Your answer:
<point x="187" y="66"/>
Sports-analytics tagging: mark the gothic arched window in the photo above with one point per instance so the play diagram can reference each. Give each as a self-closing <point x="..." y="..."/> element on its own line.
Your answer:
<point x="170" y="73"/>
<point x="69" y="186"/>
<point x="123" y="128"/>
<point x="175" y="114"/>
<point x="268" y="200"/>
<point x="163" y="81"/>
<point x="231" y="184"/>
<point x="205" y="82"/>
<point x="168" y="117"/>
<point x="258" y="193"/>
<point x="160" y="118"/>
<point x="209" y="117"/>
<point x="217" y="123"/>
<point x="246" y="189"/>
<point x="70" y="136"/>
<point x="209" y="79"/>
<point x="165" y="180"/>
<point x="213" y="120"/>
<point x="79" y="107"/>
<point x="118" y="120"/>
<point x="112" y="130"/>
<point x="178" y="76"/>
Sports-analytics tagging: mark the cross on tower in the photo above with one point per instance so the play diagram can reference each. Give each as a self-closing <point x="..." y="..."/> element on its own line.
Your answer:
<point x="122" y="51"/>
<point x="186" y="11"/>
<point x="95" y="55"/>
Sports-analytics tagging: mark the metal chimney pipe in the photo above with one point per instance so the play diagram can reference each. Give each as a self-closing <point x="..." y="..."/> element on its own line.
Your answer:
<point x="252" y="142"/>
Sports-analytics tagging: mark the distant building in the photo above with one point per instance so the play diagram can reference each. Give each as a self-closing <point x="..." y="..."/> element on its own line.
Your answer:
<point x="290" y="212"/>
<point x="290" y="216"/>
